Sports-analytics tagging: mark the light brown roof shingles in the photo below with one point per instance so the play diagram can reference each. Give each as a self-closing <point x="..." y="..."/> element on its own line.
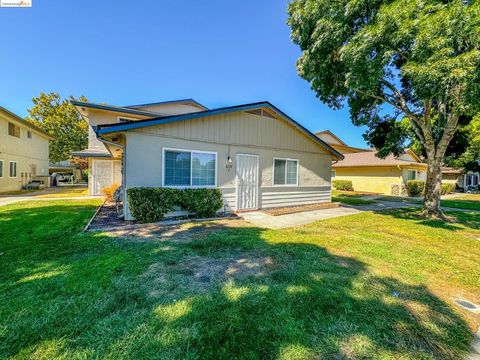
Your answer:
<point x="369" y="158"/>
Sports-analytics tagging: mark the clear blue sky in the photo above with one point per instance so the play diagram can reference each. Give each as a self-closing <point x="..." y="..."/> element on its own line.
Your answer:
<point x="122" y="52"/>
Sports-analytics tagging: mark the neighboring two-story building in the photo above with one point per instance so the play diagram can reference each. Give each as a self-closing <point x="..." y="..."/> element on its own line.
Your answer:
<point x="23" y="152"/>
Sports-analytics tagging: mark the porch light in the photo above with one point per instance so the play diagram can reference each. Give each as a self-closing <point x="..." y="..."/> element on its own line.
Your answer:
<point x="229" y="163"/>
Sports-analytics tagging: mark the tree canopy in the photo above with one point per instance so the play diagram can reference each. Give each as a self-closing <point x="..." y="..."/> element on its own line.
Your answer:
<point x="394" y="61"/>
<point x="59" y="118"/>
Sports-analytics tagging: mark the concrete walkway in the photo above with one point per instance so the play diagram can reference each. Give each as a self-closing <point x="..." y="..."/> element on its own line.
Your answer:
<point x="261" y="219"/>
<point x="264" y="220"/>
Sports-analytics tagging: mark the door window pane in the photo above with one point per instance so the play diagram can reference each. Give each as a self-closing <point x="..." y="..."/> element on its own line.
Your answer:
<point x="177" y="168"/>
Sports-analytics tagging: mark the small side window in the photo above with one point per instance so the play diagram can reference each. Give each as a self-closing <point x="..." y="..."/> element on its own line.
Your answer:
<point x="13" y="169"/>
<point x="13" y="130"/>
<point x="1" y="169"/>
<point x="29" y="134"/>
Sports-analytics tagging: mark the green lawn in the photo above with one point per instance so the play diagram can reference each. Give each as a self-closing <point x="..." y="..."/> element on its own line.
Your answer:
<point x="469" y="201"/>
<point x="370" y="285"/>
<point x="350" y="198"/>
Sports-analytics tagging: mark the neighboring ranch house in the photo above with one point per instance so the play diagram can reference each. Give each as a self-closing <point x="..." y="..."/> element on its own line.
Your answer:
<point x="255" y="154"/>
<point x="370" y="173"/>
<point x="23" y="152"/>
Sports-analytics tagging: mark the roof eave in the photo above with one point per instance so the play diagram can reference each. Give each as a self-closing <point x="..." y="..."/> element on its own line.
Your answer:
<point x="114" y="109"/>
<point x="107" y="129"/>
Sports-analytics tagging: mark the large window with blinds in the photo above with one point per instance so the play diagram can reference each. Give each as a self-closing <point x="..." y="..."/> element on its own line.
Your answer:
<point x="285" y="172"/>
<point x="189" y="168"/>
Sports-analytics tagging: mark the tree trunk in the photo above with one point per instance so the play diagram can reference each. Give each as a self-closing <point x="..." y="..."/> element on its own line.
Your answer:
<point x="433" y="189"/>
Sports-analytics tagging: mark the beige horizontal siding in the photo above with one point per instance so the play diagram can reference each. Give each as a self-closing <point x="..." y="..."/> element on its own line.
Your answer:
<point x="229" y="196"/>
<point x="280" y="199"/>
<point x="240" y="128"/>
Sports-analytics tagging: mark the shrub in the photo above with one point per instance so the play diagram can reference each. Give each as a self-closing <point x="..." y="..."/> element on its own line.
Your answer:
<point x="151" y="204"/>
<point x="448" y="188"/>
<point x="415" y="187"/>
<point x="108" y="192"/>
<point x="343" y="185"/>
<point x="201" y="202"/>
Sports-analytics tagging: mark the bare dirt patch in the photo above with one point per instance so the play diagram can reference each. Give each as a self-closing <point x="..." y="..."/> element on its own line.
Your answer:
<point x="199" y="273"/>
<point x="297" y="209"/>
<point x="183" y="233"/>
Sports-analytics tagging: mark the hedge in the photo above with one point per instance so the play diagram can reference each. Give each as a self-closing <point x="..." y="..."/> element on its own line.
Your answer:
<point x="151" y="204"/>
<point x="343" y="185"/>
<point x="415" y="187"/>
<point x="448" y="188"/>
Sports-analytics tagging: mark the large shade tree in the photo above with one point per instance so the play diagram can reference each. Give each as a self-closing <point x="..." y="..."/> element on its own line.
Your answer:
<point x="59" y="118"/>
<point x="394" y="61"/>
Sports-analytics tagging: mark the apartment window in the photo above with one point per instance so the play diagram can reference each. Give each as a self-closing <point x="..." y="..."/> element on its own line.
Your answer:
<point x="13" y="130"/>
<point x="411" y="174"/>
<point x="285" y="172"/>
<point x="471" y="180"/>
<point x="13" y="169"/>
<point x="1" y="169"/>
<point x="29" y="134"/>
<point x="187" y="168"/>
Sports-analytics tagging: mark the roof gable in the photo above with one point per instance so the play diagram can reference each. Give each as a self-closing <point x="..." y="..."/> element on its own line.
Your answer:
<point x="106" y="129"/>
<point x="330" y="138"/>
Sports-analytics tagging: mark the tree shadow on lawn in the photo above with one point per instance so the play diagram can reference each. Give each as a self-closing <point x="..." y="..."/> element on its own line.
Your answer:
<point x="461" y="219"/>
<point x="229" y="292"/>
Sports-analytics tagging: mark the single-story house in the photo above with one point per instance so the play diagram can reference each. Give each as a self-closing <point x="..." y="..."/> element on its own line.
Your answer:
<point x="370" y="173"/>
<point x="258" y="156"/>
<point x="23" y="152"/>
<point x="463" y="179"/>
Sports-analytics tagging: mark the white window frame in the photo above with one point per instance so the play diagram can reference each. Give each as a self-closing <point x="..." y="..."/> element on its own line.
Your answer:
<point x="124" y="117"/>
<point x="408" y="173"/>
<point x="165" y="149"/>
<point x="2" y="167"/>
<point x="273" y="171"/>
<point x="16" y="169"/>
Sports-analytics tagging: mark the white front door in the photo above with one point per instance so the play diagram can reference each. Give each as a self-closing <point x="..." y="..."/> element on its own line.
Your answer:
<point x="247" y="182"/>
<point x="102" y="175"/>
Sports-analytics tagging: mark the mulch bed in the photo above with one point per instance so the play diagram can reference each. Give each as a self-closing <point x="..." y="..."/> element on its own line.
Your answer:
<point x="107" y="217"/>
<point x="297" y="209"/>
